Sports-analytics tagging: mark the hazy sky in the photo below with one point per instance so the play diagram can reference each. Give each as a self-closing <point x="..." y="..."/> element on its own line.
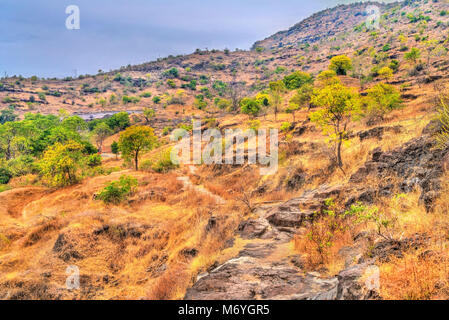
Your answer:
<point x="34" y="39"/>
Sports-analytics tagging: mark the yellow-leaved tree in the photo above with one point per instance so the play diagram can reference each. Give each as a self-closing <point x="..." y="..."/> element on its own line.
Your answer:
<point x="339" y="106"/>
<point x="60" y="163"/>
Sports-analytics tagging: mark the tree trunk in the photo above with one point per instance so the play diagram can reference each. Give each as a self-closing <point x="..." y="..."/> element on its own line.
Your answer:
<point x="136" y="160"/>
<point x="339" y="160"/>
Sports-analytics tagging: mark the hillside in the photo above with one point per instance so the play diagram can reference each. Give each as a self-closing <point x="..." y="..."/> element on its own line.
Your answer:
<point x="312" y="230"/>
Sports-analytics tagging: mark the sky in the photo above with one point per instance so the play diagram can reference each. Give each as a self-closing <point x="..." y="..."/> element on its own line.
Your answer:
<point x="34" y="39"/>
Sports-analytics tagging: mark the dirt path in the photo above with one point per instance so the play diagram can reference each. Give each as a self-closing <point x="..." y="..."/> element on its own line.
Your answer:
<point x="188" y="184"/>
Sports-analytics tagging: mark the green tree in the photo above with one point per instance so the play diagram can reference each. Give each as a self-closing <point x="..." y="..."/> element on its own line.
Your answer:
<point x="134" y="141"/>
<point x="277" y="88"/>
<point x="119" y="121"/>
<point x="115" y="149"/>
<point x="250" y="106"/>
<point x="149" y="114"/>
<point x="301" y="99"/>
<point x="7" y="115"/>
<point x="340" y="64"/>
<point x="339" y="105"/>
<point x="74" y="123"/>
<point x="413" y="55"/>
<point x="385" y="73"/>
<point x="297" y="79"/>
<point x="101" y="132"/>
<point x="157" y="99"/>
<point x="381" y="99"/>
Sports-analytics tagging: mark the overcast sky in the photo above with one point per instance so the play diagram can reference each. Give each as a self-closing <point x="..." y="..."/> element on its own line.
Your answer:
<point x="34" y="39"/>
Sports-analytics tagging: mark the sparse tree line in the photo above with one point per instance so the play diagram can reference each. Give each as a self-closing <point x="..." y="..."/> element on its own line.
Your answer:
<point x="334" y="105"/>
<point x="59" y="150"/>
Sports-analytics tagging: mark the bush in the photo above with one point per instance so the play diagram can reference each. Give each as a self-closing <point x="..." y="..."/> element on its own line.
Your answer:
<point x="119" y="121"/>
<point x="94" y="160"/>
<point x="157" y="99"/>
<point x="22" y="165"/>
<point x="385" y="73"/>
<point x="166" y="130"/>
<point x="127" y="99"/>
<point x="145" y="95"/>
<point x="171" y="83"/>
<point x="254" y="124"/>
<point x="222" y="104"/>
<point x="381" y="99"/>
<point x="250" y="106"/>
<point x="286" y="126"/>
<point x="5" y="176"/>
<point x="61" y="162"/>
<point x="118" y="191"/>
<point x="171" y="73"/>
<point x="164" y="163"/>
<point x="386" y="47"/>
<point x="297" y="79"/>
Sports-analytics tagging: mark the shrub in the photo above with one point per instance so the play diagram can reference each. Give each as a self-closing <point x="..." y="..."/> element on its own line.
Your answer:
<point x="22" y="165"/>
<point x="222" y="104"/>
<point x="285" y="127"/>
<point x="171" y="73"/>
<point x="166" y="130"/>
<point x="254" y="124"/>
<point x="171" y="83"/>
<point x="297" y="79"/>
<point x="127" y="99"/>
<point x="413" y="55"/>
<point x="118" y="191"/>
<point x="94" y="160"/>
<point x="157" y="99"/>
<point x="164" y="163"/>
<point x="386" y="47"/>
<point x="5" y="175"/>
<point x="250" y="106"/>
<point x="145" y="95"/>
<point x="199" y="102"/>
<point x="385" y="73"/>
<point x="381" y="99"/>
<point x="119" y="121"/>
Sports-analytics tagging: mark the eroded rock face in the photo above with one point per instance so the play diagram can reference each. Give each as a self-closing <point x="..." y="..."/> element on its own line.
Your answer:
<point x="418" y="163"/>
<point x="377" y="132"/>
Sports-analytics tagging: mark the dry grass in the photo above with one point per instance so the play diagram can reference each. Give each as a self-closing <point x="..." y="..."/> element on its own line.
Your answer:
<point x="422" y="273"/>
<point x="419" y="275"/>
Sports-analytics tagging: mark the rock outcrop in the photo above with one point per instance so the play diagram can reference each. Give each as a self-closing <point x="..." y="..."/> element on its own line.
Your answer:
<point x="416" y="164"/>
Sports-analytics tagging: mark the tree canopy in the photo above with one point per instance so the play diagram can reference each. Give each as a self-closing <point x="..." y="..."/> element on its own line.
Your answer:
<point x="134" y="141"/>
